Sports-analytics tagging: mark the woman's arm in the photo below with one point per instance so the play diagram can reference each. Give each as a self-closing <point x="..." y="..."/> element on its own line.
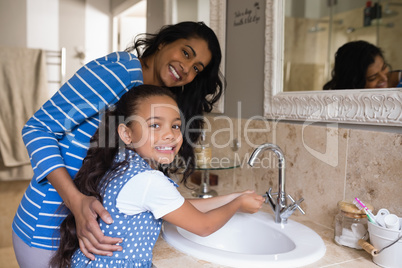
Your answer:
<point x="92" y="88"/>
<point x="201" y="223"/>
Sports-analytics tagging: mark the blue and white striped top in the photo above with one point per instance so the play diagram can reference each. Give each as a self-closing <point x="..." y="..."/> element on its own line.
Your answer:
<point x="58" y="135"/>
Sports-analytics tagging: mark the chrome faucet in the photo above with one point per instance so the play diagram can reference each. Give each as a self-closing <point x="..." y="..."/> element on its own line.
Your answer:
<point x="280" y="208"/>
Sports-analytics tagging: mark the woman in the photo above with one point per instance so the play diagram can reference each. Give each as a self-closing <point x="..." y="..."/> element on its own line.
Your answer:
<point x="359" y="64"/>
<point x="184" y="57"/>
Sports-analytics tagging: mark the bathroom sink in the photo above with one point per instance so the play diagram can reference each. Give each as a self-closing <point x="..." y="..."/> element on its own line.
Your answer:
<point x="251" y="240"/>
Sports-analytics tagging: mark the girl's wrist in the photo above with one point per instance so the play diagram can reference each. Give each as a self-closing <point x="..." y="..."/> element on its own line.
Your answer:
<point x="236" y="195"/>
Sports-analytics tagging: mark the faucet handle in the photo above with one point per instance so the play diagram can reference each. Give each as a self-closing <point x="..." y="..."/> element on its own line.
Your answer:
<point x="296" y="204"/>
<point x="269" y="199"/>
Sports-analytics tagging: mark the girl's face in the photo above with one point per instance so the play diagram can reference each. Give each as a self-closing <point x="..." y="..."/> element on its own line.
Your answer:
<point x="376" y="75"/>
<point x="177" y="64"/>
<point x="155" y="131"/>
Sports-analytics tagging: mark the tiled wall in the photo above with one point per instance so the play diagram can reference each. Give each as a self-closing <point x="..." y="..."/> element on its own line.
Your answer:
<point x="324" y="164"/>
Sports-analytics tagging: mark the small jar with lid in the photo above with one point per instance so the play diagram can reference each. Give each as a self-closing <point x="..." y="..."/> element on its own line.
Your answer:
<point x="350" y="224"/>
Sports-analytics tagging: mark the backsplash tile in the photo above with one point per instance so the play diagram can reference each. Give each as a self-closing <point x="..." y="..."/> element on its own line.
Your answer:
<point x="325" y="164"/>
<point x="375" y="169"/>
<point x="315" y="167"/>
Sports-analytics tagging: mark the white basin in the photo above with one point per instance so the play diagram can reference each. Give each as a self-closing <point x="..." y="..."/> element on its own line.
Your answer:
<point x="251" y="240"/>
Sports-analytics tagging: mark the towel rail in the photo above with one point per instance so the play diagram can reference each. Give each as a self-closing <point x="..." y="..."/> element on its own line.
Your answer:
<point x="56" y="58"/>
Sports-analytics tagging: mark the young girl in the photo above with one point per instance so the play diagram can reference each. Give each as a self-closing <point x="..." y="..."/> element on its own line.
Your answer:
<point x="138" y="196"/>
<point x="184" y="57"/>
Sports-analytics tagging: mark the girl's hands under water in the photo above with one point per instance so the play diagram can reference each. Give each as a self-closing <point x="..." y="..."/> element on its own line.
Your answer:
<point x="250" y="202"/>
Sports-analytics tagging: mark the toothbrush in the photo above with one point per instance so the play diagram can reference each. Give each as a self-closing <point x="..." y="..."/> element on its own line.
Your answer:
<point x="359" y="204"/>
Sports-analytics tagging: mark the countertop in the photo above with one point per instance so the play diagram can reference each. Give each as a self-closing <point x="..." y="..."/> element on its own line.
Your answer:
<point x="165" y="256"/>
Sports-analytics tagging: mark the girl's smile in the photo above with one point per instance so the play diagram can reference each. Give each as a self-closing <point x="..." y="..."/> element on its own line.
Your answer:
<point x="166" y="149"/>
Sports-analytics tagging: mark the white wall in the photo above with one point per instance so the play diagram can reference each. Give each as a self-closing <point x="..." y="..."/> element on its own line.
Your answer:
<point x="203" y="11"/>
<point x="98" y="41"/>
<point x="191" y="10"/>
<point x="43" y="24"/>
<point x="13" y="23"/>
<point x="130" y="27"/>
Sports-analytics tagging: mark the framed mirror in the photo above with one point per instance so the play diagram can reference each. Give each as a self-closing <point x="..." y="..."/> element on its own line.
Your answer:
<point x="357" y="106"/>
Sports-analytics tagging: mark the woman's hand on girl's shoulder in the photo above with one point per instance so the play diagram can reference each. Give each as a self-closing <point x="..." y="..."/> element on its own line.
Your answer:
<point x="90" y="237"/>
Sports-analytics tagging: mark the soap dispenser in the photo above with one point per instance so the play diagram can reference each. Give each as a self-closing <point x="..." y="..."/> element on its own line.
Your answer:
<point x="202" y="151"/>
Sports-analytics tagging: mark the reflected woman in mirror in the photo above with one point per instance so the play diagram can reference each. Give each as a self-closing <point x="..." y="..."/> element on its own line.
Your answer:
<point x="359" y="64"/>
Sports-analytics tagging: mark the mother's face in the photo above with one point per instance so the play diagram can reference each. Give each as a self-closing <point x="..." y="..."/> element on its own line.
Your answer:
<point x="376" y="75"/>
<point x="179" y="62"/>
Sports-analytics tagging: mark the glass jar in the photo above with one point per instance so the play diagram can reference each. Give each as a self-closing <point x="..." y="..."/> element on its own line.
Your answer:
<point x="350" y="225"/>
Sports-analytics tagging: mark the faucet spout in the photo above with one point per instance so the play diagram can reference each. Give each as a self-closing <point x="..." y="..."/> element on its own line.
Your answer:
<point x="281" y="194"/>
<point x="282" y="212"/>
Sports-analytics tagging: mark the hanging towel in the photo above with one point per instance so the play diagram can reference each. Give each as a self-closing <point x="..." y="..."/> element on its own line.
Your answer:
<point x="23" y="89"/>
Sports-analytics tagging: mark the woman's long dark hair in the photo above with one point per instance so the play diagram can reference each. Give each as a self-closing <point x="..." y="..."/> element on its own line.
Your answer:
<point x="351" y="63"/>
<point x="203" y="92"/>
<point x="90" y="179"/>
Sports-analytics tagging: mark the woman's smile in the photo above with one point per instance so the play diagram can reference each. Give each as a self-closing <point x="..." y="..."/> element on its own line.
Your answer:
<point x="174" y="73"/>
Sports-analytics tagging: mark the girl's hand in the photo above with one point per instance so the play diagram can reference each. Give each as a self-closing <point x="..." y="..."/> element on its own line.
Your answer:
<point x="206" y="221"/>
<point x="250" y="202"/>
<point x="90" y="237"/>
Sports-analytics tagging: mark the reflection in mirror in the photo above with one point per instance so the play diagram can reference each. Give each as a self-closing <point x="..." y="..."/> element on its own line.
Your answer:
<point x="381" y="107"/>
<point x="316" y="29"/>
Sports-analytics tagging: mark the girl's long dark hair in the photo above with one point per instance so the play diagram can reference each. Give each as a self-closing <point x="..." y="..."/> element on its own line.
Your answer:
<point x="351" y="63"/>
<point x="203" y="92"/>
<point x="99" y="160"/>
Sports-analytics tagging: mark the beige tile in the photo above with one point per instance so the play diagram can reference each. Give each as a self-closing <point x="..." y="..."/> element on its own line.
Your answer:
<point x="315" y="159"/>
<point x="374" y="172"/>
<point x="315" y="163"/>
<point x="325" y="164"/>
